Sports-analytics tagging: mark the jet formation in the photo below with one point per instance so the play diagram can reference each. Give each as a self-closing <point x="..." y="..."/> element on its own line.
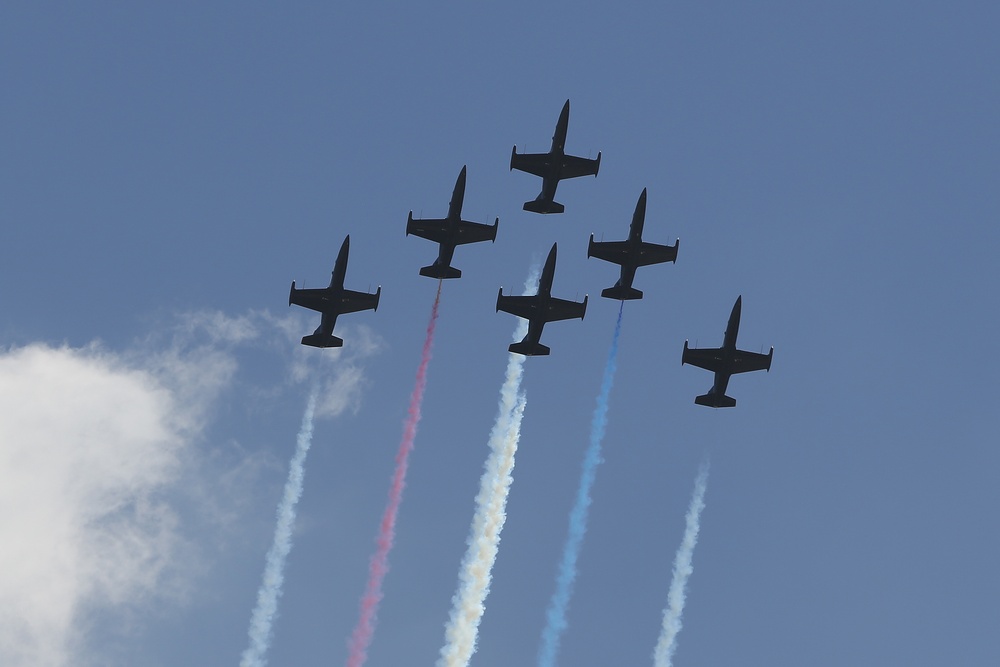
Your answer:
<point x="541" y="307"/>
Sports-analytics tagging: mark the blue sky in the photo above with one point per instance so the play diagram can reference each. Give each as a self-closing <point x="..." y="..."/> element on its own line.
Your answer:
<point x="168" y="169"/>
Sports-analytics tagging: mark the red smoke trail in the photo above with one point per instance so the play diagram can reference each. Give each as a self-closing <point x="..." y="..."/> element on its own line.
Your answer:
<point x="361" y="638"/>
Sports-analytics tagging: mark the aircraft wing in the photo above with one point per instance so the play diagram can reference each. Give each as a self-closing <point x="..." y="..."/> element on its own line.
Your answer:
<point x="533" y="163"/>
<point x="432" y="229"/>
<point x="746" y="362"/>
<point x="313" y="299"/>
<point x="709" y="358"/>
<point x="522" y="306"/>
<point x="474" y="232"/>
<point x="531" y="308"/>
<point x="654" y="253"/>
<point x="563" y="309"/>
<point x="615" y="252"/>
<point x="352" y="301"/>
<point x="573" y="167"/>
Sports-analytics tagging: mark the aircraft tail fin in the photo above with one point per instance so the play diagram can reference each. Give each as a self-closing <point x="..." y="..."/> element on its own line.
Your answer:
<point x="621" y="293"/>
<point x="322" y="340"/>
<point x="438" y="271"/>
<point x="529" y="349"/>
<point x="715" y="400"/>
<point x="543" y="206"/>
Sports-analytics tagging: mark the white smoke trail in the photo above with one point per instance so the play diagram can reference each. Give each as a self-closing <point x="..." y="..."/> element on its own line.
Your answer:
<point x="664" y="654"/>
<point x="262" y="620"/>
<point x="468" y="603"/>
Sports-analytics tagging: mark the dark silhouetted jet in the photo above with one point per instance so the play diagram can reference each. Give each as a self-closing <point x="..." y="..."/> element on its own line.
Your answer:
<point x="539" y="309"/>
<point x="332" y="301"/>
<point x="631" y="254"/>
<point x="450" y="232"/>
<point x="725" y="361"/>
<point x="553" y="167"/>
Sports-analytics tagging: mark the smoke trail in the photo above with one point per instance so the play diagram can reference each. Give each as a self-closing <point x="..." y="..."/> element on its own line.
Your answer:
<point x="665" y="647"/>
<point x="262" y="619"/>
<point x="361" y="638"/>
<point x="468" y="603"/>
<point x="556" y="613"/>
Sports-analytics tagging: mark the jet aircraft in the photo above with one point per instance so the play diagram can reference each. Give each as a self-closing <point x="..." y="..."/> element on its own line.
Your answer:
<point x="332" y="301"/>
<point x="553" y="167"/>
<point x="724" y="362"/>
<point x="539" y="309"/>
<point x="450" y="232"/>
<point x="631" y="254"/>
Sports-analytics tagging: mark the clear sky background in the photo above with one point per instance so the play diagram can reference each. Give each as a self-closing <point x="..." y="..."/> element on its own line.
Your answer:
<point x="167" y="170"/>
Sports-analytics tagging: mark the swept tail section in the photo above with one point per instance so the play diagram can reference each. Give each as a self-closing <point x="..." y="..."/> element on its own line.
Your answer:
<point x="442" y="272"/>
<point x="529" y="349"/>
<point x="621" y="293"/>
<point x="543" y="206"/>
<point x="715" y="400"/>
<point x="320" y="339"/>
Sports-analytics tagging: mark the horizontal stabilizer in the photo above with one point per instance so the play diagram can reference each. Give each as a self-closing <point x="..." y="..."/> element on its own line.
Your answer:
<point x="529" y="349"/>
<point x="716" y="401"/>
<point x="322" y="340"/>
<point x="621" y="293"/>
<point x="543" y="206"/>
<point x="440" y="272"/>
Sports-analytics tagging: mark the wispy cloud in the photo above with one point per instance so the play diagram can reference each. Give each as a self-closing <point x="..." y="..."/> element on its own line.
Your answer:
<point x="191" y="342"/>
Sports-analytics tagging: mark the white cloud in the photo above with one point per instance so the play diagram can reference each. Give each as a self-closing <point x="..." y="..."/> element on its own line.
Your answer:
<point x="94" y="448"/>
<point x="87" y="445"/>
<point x="343" y="372"/>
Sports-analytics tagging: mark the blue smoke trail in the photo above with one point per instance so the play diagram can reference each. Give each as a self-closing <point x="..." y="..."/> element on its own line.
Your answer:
<point x="664" y="654"/>
<point x="556" y="613"/>
<point x="262" y="620"/>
